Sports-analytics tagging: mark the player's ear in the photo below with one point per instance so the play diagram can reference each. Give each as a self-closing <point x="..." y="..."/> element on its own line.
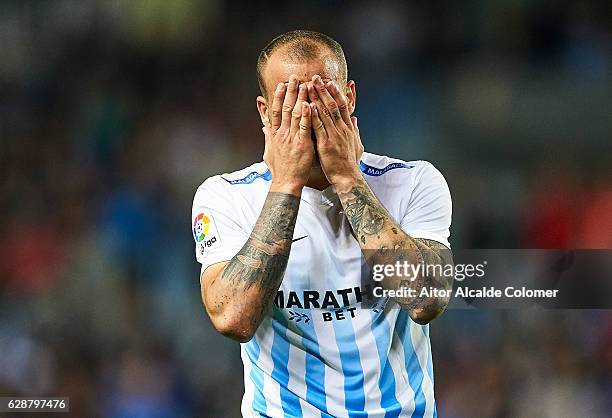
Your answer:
<point x="262" y="108"/>
<point x="351" y="96"/>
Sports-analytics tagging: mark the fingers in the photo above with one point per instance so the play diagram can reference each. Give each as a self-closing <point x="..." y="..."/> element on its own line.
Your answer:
<point x="266" y="132"/>
<point x="297" y="109"/>
<point x="340" y="99"/>
<point x="305" y="121"/>
<point x="359" y="144"/>
<point x="289" y="102"/>
<point x="317" y="124"/>
<point x="331" y="107"/>
<point x="276" y="112"/>
<point x="323" y="116"/>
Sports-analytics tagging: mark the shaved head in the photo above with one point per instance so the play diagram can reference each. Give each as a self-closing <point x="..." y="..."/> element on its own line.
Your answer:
<point x="301" y="46"/>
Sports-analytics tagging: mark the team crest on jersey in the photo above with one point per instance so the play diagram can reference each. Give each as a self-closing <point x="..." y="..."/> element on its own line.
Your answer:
<point x="204" y="233"/>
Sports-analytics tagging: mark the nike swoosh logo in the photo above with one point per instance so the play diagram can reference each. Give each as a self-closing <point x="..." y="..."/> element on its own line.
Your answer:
<point x="297" y="239"/>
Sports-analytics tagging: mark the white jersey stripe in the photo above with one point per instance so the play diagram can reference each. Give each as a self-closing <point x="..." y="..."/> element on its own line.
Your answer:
<point x="368" y="355"/>
<point x="315" y="370"/>
<point x="298" y="371"/>
<point x="280" y="352"/>
<point x="352" y="368"/>
<point x="430" y="370"/>
<point x="265" y="336"/>
<point x="383" y="337"/>
<point x="254" y="379"/>
<point x="414" y="370"/>
<point x="249" y="387"/>
<point x="421" y="347"/>
<point x="403" y="392"/>
<point x="334" y="379"/>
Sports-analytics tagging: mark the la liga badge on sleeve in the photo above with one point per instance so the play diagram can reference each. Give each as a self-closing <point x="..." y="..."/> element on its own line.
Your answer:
<point x="205" y="233"/>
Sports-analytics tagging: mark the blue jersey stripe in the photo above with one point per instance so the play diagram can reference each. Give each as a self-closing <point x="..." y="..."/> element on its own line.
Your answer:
<point x="290" y="402"/>
<point x="256" y="375"/>
<point x="354" y="395"/>
<point x="386" y="382"/>
<point x="314" y="369"/>
<point x="415" y="373"/>
<point x="315" y="372"/>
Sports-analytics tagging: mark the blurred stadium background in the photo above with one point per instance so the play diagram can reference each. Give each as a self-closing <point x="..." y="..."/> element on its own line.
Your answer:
<point x="113" y="112"/>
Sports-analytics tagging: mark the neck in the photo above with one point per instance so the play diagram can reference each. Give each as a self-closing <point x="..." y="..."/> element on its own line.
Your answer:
<point x="317" y="179"/>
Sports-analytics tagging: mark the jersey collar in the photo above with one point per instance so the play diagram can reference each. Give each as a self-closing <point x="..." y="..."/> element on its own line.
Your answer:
<point x="325" y="197"/>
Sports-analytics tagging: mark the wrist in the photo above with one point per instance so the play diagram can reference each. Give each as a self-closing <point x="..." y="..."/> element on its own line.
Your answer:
<point x="292" y="188"/>
<point x="345" y="183"/>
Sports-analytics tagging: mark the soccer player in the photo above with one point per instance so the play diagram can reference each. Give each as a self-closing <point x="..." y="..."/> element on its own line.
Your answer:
<point x="283" y="244"/>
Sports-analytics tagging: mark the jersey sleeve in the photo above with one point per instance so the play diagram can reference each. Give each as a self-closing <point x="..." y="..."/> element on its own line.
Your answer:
<point x="214" y="222"/>
<point x="428" y="214"/>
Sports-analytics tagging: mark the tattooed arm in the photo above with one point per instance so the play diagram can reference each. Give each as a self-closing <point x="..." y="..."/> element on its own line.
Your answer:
<point x="237" y="294"/>
<point x="381" y="239"/>
<point x="384" y="242"/>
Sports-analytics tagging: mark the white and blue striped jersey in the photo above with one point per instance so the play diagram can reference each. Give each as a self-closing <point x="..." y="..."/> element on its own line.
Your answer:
<point x="325" y="350"/>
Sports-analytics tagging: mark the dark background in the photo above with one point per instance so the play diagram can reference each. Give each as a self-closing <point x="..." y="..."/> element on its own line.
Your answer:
<point x="113" y="112"/>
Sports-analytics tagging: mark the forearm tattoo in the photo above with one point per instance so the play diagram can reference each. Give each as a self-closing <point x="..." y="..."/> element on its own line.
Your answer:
<point x="384" y="242"/>
<point x="262" y="260"/>
<point x="364" y="211"/>
<point x="430" y="253"/>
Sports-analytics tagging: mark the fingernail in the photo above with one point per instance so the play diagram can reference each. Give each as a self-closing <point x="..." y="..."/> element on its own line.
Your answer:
<point x="279" y="86"/>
